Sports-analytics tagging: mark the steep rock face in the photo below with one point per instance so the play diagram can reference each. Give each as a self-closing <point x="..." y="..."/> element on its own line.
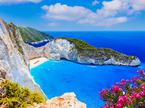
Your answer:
<point x="33" y="52"/>
<point x="13" y="60"/>
<point x="81" y="52"/>
<point x="55" y="50"/>
<point x="68" y="100"/>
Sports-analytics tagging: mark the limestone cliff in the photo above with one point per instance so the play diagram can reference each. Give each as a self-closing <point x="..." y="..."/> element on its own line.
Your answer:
<point x="13" y="60"/>
<point x="81" y="52"/>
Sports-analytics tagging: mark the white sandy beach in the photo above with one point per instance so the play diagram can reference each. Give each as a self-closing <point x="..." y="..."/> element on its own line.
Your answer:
<point x="37" y="61"/>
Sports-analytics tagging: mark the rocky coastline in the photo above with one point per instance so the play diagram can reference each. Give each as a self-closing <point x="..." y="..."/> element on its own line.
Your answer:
<point x="15" y="56"/>
<point x="63" y="48"/>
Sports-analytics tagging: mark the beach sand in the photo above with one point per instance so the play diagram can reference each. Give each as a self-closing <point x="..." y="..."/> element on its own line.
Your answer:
<point x="37" y="61"/>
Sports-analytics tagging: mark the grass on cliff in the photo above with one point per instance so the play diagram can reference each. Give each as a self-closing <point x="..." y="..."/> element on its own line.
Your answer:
<point x="32" y="35"/>
<point x="87" y="50"/>
<point x="81" y="44"/>
<point x="15" y="96"/>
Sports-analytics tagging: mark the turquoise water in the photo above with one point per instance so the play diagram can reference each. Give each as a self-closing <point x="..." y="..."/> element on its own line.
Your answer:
<point x="58" y="77"/>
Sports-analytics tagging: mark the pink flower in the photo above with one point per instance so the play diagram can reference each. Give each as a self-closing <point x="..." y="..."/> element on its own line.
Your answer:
<point x="122" y="84"/>
<point x="135" y="78"/>
<point x="116" y="89"/>
<point x="127" y="81"/>
<point x="111" y="106"/>
<point x="122" y="100"/>
<point x="125" y="97"/>
<point x="119" y="106"/>
<point x="122" y="80"/>
<point x="133" y="94"/>
<point x="137" y="96"/>
<point x="142" y="93"/>
<point x="125" y="87"/>
<point x="104" y="91"/>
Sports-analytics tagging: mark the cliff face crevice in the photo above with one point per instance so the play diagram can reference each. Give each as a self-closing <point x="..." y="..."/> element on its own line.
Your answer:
<point x="3" y="73"/>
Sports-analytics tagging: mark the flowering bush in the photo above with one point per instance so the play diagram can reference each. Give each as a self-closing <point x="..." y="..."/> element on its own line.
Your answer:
<point x="126" y="94"/>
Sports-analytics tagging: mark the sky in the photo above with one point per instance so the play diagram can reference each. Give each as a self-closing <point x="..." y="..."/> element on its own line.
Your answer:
<point x="76" y="15"/>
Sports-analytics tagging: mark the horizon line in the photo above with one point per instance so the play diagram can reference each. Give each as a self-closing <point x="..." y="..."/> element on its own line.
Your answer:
<point x="95" y="31"/>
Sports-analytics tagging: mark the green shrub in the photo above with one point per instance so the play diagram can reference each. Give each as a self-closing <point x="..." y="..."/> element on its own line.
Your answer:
<point x="18" y="97"/>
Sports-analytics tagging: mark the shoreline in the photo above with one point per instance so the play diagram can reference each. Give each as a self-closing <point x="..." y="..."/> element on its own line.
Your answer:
<point x="37" y="61"/>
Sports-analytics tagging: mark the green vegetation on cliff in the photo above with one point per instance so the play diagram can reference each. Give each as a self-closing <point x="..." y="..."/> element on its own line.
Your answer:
<point x="14" y="96"/>
<point x="103" y="54"/>
<point x="79" y="44"/>
<point x="33" y="35"/>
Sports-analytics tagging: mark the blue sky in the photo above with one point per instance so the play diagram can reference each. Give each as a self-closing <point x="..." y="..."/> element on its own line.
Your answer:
<point x="75" y="15"/>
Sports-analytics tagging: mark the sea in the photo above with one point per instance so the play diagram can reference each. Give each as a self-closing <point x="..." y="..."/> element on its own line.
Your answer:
<point x="86" y="81"/>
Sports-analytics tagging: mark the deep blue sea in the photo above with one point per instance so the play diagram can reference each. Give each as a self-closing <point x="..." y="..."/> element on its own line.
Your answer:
<point x="57" y="77"/>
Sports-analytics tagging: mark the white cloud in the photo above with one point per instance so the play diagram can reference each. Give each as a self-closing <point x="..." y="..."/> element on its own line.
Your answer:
<point x="95" y="2"/>
<point x="79" y="15"/>
<point x="112" y="12"/>
<point x="113" y="8"/>
<point x="116" y="7"/>
<point x="112" y="5"/>
<point x="138" y="5"/>
<point x="64" y="12"/>
<point x="18" y="1"/>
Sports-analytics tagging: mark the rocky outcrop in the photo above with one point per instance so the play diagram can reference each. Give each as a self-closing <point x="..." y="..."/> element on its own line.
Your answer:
<point x="13" y="60"/>
<point x="68" y="100"/>
<point x="54" y="50"/>
<point x="80" y="52"/>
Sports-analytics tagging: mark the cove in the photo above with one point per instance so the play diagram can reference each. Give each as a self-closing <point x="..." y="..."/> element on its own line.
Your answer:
<point x="86" y="81"/>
